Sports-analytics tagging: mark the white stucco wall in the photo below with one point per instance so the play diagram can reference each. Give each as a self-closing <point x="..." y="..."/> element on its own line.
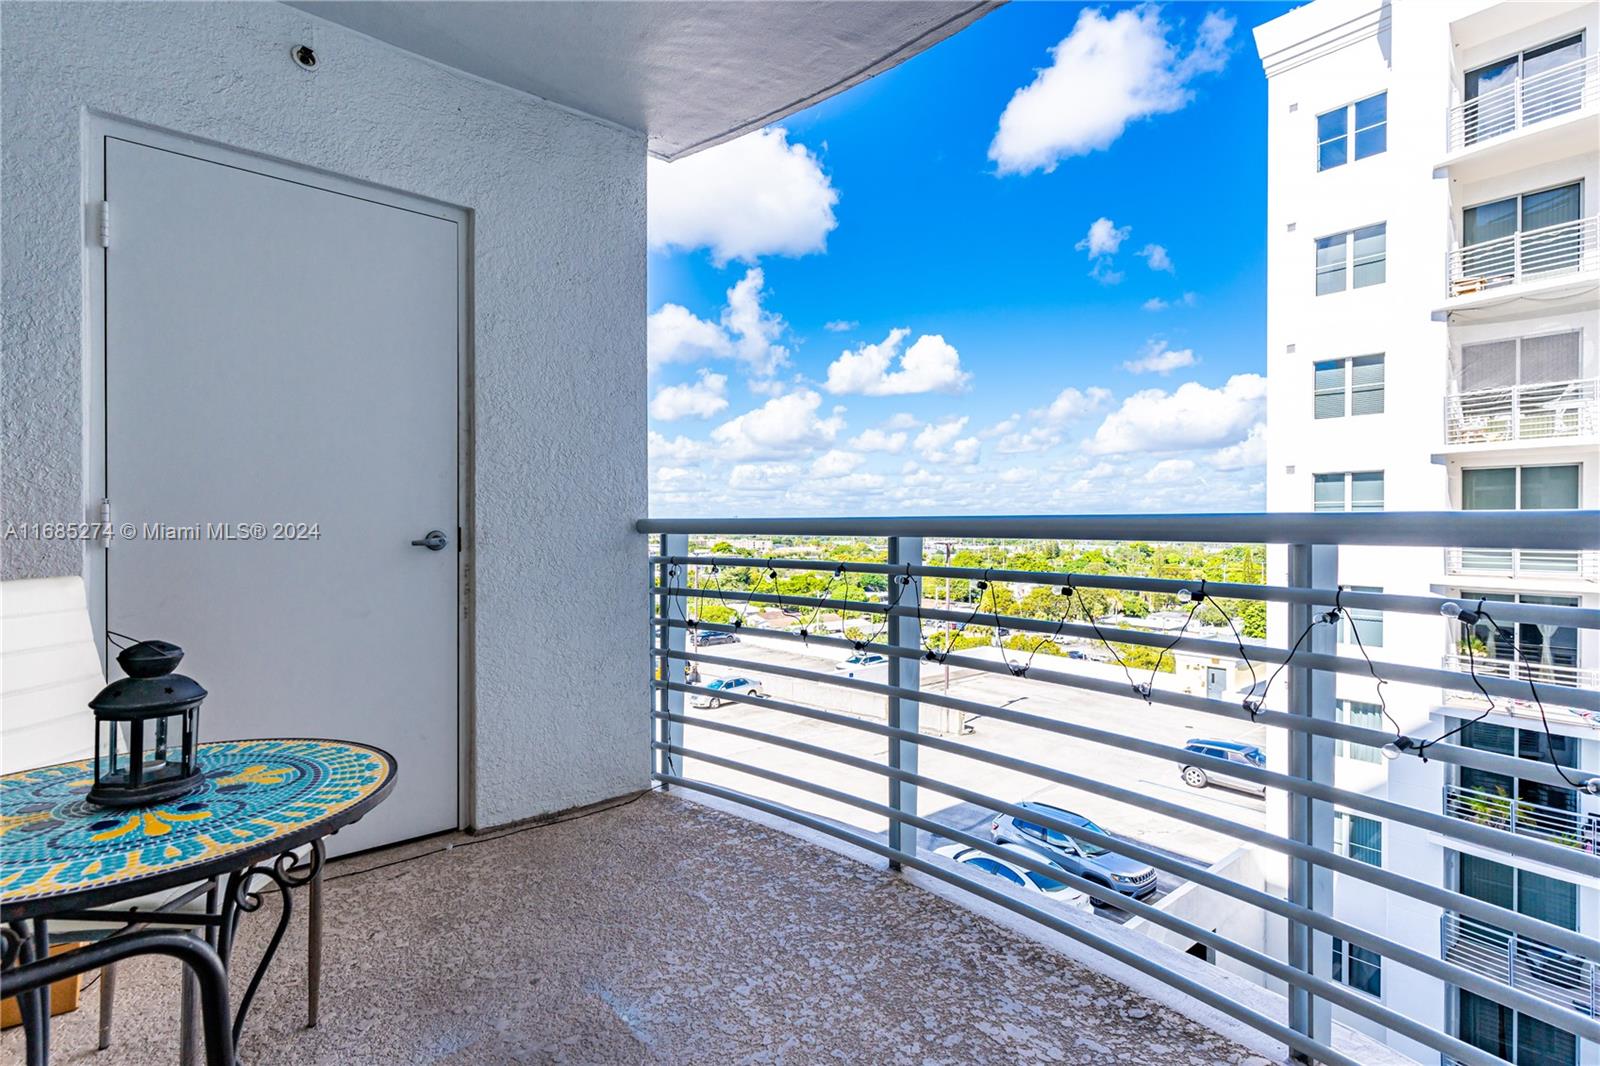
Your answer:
<point x="558" y="280"/>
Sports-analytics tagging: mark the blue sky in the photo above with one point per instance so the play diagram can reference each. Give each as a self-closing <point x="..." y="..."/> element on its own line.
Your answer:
<point x="1022" y="273"/>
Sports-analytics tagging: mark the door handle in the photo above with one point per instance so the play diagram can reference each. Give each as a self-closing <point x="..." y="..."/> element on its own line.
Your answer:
<point x="435" y="541"/>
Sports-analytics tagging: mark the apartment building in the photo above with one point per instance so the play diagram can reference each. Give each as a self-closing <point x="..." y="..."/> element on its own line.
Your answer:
<point x="1434" y="280"/>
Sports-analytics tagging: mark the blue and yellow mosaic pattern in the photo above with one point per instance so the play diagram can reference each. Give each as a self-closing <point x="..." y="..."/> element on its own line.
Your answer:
<point x="53" y="841"/>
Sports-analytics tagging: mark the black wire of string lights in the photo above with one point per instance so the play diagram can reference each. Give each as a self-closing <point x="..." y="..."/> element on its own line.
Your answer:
<point x="1071" y="590"/>
<point x="928" y="653"/>
<point x="1021" y="669"/>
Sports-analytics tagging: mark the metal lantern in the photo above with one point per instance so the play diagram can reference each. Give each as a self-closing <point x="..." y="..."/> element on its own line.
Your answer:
<point x="146" y="728"/>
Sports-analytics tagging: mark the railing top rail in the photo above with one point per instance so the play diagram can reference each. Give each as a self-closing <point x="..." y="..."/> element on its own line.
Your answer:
<point x="1569" y="529"/>
<point x="1524" y="386"/>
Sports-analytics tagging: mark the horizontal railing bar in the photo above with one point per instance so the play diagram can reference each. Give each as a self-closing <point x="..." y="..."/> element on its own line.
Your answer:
<point x="1492" y="762"/>
<point x="1428" y="529"/>
<point x="1579" y="617"/>
<point x="1377" y="875"/>
<point x="1259" y="654"/>
<point x="1194" y="989"/>
<point x="1444" y="971"/>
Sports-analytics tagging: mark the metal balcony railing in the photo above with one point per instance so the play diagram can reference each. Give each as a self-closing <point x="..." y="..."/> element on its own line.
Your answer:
<point x="1527" y="255"/>
<point x="1525" y="102"/>
<point x="1553" y="683"/>
<point x="846" y="751"/>
<point x="1546" y="410"/>
<point x="1553" y="975"/>
<point x="1569" y="828"/>
<point x="1522" y="562"/>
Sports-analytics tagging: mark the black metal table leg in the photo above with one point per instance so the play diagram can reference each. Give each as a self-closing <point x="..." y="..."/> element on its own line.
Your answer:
<point x="239" y="897"/>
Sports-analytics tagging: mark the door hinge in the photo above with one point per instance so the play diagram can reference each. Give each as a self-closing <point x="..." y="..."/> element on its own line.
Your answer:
<point x="105" y="522"/>
<point x="103" y="224"/>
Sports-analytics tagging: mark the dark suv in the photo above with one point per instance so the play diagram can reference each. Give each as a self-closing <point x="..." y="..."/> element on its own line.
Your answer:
<point x="1233" y="751"/>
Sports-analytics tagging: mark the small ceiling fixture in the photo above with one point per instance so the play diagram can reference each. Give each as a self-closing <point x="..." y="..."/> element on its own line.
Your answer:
<point x="304" y="57"/>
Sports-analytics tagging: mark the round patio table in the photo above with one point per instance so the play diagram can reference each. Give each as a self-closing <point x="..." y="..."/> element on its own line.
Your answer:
<point x="262" y="811"/>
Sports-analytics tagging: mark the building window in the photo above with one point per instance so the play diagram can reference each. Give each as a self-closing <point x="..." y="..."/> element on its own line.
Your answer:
<point x="1544" y="365"/>
<point x="1512" y="1036"/>
<point x="1358" y="838"/>
<point x="1348" y="387"/>
<point x="1366" y="121"/>
<point x="1366" y="715"/>
<point x="1361" y="491"/>
<point x="1519" y="488"/>
<point x="1545" y="654"/>
<point x="1363" y="250"/>
<point x="1357" y="967"/>
<point x="1548" y="242"/>
<point x="1366" y="622"/>
<point x="1493" y="88"/>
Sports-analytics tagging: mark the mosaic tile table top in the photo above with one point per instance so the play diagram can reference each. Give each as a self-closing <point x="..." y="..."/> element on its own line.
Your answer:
<point x="259" y="798"/>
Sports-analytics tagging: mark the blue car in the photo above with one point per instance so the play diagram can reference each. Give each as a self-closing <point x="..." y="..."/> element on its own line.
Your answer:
<point x="1233" y="751"/>
<point x="1086" y="858"/>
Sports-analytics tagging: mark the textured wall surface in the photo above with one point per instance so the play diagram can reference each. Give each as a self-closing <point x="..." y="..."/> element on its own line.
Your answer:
<point x="558" y="323"/>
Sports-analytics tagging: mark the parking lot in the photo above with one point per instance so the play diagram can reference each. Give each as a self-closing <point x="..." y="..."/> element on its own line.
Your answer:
<point x="1157" y="778"/>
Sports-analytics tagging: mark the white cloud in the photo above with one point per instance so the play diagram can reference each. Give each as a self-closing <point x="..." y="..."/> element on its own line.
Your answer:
<point x="1248" y="453"/>
<point x="702" y="398"/>
<point x="1071" y="403"/>
<point x="1156" y="257"/>
<point x="929" y="365"/>
<point x="762" y="476"/>
<point x="840" y="325"/>
<point x="1156" y="303"/>
<point x="1015" y="475"/>
<point x="779" y="427"/>
<point x="902" y="420"/>
<point x="1104" y="237"/>
<point x="834" y="463"/>
<point x="1101" y="244"/>
<point x="1192" y="416"/>
<point x="675" y="335"/>
<point x="877" y="440"/>
<point x="1158" y="358"/>
<point x="1037" y="439"/>
<point x="753" y="196"/>
<point x="746" y="331"/>
<point x="1169" y="470"/>
<point x="678" y="450"/>
<point x="1106" y="73"/>
<point x="943" y="442"/>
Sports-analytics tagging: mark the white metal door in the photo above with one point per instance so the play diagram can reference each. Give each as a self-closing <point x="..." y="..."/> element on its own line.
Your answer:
<point x="281" y="394"/>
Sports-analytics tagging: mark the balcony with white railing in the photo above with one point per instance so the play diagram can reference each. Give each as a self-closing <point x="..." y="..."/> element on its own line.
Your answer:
<point x="1538" y="563"/>
<point x="1537" y="411"/>
<point x="1550" y="973"/>
<point x="1527" y="102"/>
<point x="1545" y="691"/>
<point x="1573" y="829"/>
<point x="1564" y="252"/>
<point x="845" y="732"/>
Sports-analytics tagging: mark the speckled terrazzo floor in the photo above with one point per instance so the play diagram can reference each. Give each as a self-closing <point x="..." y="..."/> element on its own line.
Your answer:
<point x="662" y="932"/>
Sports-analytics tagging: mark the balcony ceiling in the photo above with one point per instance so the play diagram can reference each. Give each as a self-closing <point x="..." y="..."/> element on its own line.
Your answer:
<point x="689" y="75"/>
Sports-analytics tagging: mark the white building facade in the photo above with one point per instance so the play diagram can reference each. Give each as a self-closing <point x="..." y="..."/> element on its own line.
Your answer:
<point x="1434" y="279"/>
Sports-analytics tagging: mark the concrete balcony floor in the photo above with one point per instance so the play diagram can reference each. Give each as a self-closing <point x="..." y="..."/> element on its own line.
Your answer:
<point x="663" y="931"/>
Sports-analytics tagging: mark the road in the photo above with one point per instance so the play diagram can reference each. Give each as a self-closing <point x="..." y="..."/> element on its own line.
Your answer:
<point x="1151" y="777"/>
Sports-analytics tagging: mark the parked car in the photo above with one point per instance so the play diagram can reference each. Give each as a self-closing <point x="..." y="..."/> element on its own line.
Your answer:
<point x="861" y="661"/>
<point x="707" y="637"/>
<point x="1083" y="857"/>
<point x="741" y="686"/>
<point x="1233" y="751"/>
<point x="1029" y="880"/>
<point x="1075" y="653"/>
